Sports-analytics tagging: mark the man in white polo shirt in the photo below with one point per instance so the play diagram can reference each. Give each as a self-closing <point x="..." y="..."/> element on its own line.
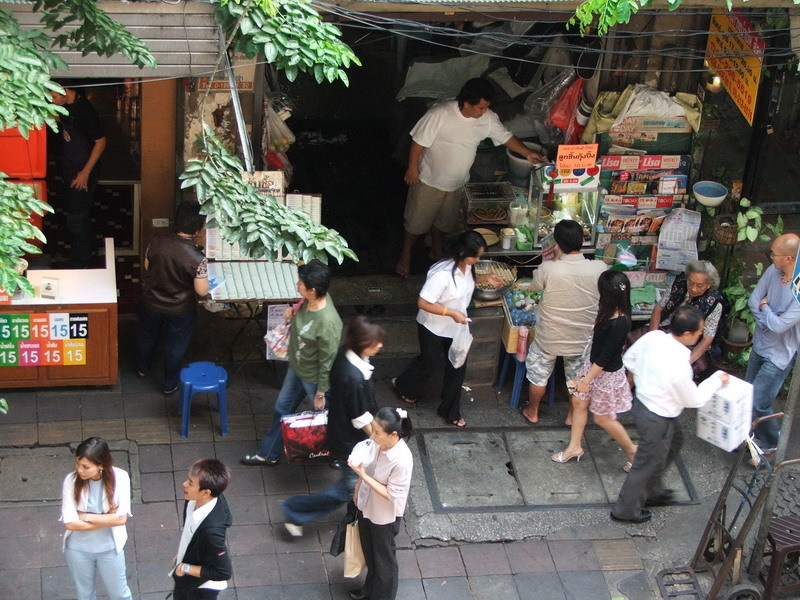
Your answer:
<point x="443" y="147"/>
<point x="665" y="386"/>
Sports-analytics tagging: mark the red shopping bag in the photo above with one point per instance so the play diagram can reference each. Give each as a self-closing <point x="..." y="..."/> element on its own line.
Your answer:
<point x="305" y="435"/>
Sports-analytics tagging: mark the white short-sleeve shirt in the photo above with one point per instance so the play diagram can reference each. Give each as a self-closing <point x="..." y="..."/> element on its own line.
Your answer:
<point x="451" y="141"/>
<point x="451" y="289"/>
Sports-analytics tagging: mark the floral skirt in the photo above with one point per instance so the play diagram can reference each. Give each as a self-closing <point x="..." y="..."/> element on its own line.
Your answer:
<point x="609" y="393"/>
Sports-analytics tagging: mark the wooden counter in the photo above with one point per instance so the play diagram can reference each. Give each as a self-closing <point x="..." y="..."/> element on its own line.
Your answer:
<point x="67" y="341"/>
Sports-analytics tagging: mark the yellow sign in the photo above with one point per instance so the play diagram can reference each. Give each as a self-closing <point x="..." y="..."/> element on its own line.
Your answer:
<point x="735" y="52"/>
<point x="576" y="156"/>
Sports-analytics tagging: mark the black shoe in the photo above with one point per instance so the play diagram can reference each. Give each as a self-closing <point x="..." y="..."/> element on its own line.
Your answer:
<point x="643" y="518"/>
<point x="254" y="460"/>
<point x="665" y="498"/>
<point x="172" y="391"/>
<point x="357" y="595"/>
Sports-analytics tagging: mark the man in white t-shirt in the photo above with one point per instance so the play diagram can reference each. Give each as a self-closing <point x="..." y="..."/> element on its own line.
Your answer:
<point x="443" y="147"/>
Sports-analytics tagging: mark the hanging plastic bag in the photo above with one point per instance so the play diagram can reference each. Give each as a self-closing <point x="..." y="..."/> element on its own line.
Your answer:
<point x="563" y="112"/>
<point x="459" y="349"/>
<point x="278" y="136"/>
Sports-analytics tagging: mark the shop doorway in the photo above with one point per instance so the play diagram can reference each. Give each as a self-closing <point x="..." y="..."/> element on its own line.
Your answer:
<point x="115" y="210"/>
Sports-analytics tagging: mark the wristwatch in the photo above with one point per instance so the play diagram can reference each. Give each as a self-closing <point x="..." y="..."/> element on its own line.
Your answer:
<point x="185" y="569"/>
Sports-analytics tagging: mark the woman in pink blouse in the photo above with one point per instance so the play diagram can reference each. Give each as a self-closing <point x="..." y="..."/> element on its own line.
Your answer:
<point x="383" y="464"/>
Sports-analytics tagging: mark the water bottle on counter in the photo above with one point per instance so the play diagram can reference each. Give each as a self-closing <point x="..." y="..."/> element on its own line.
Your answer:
<point x="522" y="343"/>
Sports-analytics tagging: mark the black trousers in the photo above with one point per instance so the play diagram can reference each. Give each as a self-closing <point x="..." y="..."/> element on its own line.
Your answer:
<point x="194" y="594"/>
<point x="660" y="440"/>
<point x="411" y="382"/>
<point x="380" y="554"/>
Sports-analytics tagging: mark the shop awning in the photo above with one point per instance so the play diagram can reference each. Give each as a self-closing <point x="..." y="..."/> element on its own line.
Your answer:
<point x="183" y="37"/>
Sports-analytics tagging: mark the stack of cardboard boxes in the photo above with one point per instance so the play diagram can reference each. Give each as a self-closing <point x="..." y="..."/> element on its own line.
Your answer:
<point x="725" y="419"/>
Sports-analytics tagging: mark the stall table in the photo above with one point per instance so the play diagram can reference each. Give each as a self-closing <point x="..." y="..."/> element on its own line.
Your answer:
<point x="247" y="286"/>
<point x="67" y="341"/>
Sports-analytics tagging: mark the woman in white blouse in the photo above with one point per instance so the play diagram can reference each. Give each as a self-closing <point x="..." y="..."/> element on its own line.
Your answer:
<point x="95" y="505"/>
<point x="442" y="304"/>
<point x="383" y="464"/>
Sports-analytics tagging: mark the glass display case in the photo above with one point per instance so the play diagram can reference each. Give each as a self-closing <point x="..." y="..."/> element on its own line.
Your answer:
<point x="555" y="195"/>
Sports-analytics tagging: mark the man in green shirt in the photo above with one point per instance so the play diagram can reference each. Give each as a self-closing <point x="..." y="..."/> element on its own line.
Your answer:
<point x="314" y="340"/>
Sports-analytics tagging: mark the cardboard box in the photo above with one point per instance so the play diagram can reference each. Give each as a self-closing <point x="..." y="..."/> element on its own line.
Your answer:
<point x="722" y="435"/>
<point x="655" y="135"/>
<point x="725" y="419"/>
<point x="732" y="404"/>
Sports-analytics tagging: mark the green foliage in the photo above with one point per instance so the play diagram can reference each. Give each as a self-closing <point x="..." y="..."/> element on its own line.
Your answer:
<point x="291" y="35"/>
<point x="261" y="226"/>
<point x="95" y="33"/>
<point x="17" y="202"/>
<point x="738" y="293"/>
<point x="26" y="59"/>
<point x="25" y="85"/>
<point x="604" y="14"/>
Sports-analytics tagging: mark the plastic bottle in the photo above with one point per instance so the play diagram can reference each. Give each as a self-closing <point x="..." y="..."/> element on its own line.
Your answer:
<point x="522" y="343"/>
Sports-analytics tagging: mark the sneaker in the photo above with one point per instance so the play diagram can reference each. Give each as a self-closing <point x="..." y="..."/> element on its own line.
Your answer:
<point x="254" y="460"/>
<point x="294" y="530"/>
<point x="172" y="391"/>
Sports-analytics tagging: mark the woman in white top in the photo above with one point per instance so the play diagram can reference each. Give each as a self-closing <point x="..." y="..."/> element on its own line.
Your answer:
<point x="383" y="464"/>
<point x="442" y="304"/>
<point x="95" y="505"/>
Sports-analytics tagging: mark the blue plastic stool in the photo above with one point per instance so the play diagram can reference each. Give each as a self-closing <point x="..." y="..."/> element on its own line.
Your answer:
<point x="519" y="378"/>
<point x="203" y="377"/>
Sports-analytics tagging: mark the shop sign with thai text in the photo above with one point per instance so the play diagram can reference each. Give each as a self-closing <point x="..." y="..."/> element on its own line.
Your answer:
<point x="735" y="52"/>
<point x="576" y="156"/>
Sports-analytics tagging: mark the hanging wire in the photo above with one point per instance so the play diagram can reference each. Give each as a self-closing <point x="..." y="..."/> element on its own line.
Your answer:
<point x="419" y="32"/>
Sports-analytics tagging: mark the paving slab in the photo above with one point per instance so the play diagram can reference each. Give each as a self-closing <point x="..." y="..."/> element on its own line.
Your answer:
<point x="470" y="469"/>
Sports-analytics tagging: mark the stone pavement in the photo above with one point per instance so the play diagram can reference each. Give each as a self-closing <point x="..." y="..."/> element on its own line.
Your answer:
<point x="545" y="534"/>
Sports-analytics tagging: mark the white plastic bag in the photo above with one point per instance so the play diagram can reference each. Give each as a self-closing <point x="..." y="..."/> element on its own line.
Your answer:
<point x="459" y="349"/>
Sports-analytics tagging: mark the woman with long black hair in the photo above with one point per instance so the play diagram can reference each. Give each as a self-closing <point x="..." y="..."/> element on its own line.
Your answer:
<point x="95" y="505"/>
<point x="601" y="384"/>
<point x="442" y="305"/>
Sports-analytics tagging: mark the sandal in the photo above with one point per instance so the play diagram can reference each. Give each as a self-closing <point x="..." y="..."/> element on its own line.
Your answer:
<point x="457" y="423"/>
<point x="403" y="398"/>
<point x="627" y="467"/>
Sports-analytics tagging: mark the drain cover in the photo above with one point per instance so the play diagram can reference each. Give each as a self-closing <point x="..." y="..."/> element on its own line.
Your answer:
<point x="511" y="470"/>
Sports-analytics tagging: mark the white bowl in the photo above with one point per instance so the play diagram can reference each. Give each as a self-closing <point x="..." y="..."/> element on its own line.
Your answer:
<point x="709" y="193"/>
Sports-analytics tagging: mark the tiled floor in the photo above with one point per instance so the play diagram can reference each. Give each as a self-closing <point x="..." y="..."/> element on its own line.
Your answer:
<point x="266" y="564"/>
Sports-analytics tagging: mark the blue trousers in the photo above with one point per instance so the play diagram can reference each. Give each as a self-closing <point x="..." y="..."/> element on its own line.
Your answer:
<point x="177" y="330"/>
<point x="292" y="393"/>
<point x="767" y="380"/>
<point x="302" y="509"/>
<point x="84" y="566"/>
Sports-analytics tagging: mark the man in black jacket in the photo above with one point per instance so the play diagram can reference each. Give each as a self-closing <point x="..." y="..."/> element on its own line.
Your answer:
<point x="203" y="563"/>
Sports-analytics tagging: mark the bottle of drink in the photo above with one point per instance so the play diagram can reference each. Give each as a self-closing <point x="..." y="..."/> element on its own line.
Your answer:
<point x="522" y="343"/>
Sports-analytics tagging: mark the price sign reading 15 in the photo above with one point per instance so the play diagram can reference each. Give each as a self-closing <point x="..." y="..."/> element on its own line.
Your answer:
<point x="59" y="326"/>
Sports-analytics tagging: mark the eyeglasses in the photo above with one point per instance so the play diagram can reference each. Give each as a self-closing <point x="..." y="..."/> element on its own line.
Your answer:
<point x="771" y="255"/>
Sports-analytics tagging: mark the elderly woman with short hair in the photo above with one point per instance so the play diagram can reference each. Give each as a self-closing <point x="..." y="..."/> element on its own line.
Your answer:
<point x="697" y="285"/>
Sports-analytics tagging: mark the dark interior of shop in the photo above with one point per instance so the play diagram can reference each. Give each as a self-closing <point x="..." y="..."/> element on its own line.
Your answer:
<point x="352" y="143"/>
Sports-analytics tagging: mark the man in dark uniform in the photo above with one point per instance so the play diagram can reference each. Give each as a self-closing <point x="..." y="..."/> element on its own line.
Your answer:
<point x="83" y="142"/>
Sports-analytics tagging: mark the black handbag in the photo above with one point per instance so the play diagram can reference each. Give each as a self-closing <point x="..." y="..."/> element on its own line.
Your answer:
<point x="337" y="543"/>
